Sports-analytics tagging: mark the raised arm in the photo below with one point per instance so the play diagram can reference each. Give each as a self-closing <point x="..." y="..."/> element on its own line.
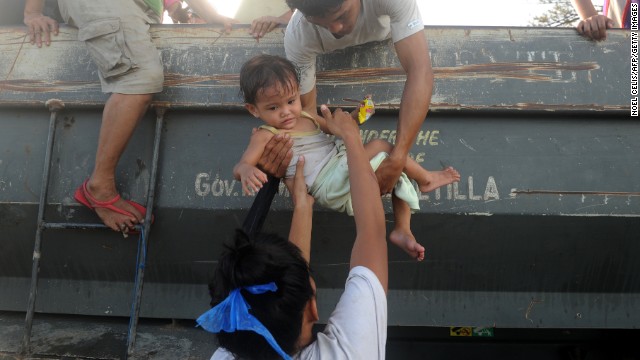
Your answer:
<point x="300" y="233"/>
<point x="413" y="53"/>
<point x="40" y="27"/>
<point x="592" y="25"/>
<point x="370" y="246"/>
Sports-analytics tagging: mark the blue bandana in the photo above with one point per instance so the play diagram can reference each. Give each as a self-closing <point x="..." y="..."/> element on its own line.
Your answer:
<point x="233" y="314"/>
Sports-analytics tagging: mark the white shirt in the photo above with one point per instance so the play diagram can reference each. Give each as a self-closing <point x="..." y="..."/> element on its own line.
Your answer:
<point x="378" y="20"/>
<point x="357" y="328"/>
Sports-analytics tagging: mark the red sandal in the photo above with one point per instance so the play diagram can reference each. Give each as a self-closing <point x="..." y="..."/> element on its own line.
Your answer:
<point x="83" y="196"/>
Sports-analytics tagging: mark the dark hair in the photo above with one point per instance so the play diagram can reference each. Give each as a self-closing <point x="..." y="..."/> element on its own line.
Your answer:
<point x="264" y="71"/>
<point x="319" y="8"/>
<point x="256" y="261"/>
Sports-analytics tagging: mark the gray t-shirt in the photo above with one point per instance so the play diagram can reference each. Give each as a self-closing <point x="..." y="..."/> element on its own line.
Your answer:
<point x="378" y="20"/>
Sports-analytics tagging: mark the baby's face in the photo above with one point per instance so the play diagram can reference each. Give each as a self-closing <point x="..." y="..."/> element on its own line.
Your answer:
<point x="278" y="106"/>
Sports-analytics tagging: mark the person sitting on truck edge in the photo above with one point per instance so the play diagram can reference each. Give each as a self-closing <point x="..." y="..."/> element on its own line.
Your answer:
<point x="114" y="29"/>
<point x="615" y="14"/>
<point x="269" y="85"/>
<point x="263" y="293"/>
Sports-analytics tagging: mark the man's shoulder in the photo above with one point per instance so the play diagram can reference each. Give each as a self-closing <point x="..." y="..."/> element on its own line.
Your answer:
<point x="298" y="26"/>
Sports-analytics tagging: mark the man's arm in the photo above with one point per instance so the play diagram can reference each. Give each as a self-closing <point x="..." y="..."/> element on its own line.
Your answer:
<point x="413" y="53"/>
<point x="300" y="233"/>
<point x="370" y="247"/>
<point x="40" y="26"/>
<point x="206" y="11"/>
<point x="593" y="25"/>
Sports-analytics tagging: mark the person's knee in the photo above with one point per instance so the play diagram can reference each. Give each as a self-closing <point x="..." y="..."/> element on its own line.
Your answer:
<point x="156" y="75"/>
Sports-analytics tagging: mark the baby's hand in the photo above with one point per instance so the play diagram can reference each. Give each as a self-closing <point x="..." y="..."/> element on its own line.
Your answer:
<point x="252" y="179"/>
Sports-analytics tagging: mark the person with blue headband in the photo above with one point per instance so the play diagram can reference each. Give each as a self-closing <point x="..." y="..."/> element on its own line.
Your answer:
<point x="263" y="295"/>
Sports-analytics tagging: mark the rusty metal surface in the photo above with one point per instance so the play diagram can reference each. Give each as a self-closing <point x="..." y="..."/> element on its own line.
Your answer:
<point x="475" y="68"/>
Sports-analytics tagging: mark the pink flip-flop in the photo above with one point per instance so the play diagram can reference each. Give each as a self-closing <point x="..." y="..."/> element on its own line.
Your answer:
<point x="83" y="196"/>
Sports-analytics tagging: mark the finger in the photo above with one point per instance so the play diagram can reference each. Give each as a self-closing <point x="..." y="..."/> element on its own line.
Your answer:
<point x="54" y="27"/>
<point x="273" y="144"/>
<point x="277" y="145"/>
<point x="326" y="113"/>
<point x="282" y="149"/>
<point x="262" y="177"/>
<point x="47" y="37"/>
<point x="586" y="30"/>
<point x="245" y="188"/>
<point x="38" y="38"/>
<point x="254" y="182"/>
<point x="32" y="34"/>
<point x="602" y="28"/>
<point x="300" y="168"/>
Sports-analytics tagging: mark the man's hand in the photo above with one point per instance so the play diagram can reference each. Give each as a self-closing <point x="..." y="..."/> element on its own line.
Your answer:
<point x="388" y="173"/>
<point x="595" y="27"/>
<point x="40" y="28"/>
<point x="265" y="24"/>
<point x="339" y="123"/>
<point x="276" y="156"/>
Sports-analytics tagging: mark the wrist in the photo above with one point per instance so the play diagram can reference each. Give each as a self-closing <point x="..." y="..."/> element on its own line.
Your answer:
<point x="32" y="15"/>
<point x="398" y="157"/>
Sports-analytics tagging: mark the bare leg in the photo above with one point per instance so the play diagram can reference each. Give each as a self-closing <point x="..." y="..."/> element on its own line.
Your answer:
<point x="430" y="180"/>
<point x="427" y="180"/>
<point x="401" y="235"/>
<point x="119" y="119"/>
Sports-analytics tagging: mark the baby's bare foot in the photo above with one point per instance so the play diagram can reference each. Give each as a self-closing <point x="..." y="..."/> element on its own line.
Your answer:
<point x="436" y="179"/>
<point x="407" y="242"/>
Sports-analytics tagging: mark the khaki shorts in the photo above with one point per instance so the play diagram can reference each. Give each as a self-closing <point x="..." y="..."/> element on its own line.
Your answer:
<point x="116" y="33"/>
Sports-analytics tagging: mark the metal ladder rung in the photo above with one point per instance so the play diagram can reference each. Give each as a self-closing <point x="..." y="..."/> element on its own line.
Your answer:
<point x="54" y="106"/>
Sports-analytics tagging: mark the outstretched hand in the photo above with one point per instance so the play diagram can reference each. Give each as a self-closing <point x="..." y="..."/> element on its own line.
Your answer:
<point x="276" y="156"/>
<point x="40" y="28"/>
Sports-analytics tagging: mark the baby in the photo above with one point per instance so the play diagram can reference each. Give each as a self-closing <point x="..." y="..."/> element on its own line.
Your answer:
<point x="269" y="85"/>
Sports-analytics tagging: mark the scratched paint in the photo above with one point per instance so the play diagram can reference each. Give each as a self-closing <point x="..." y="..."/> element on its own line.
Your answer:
<point x="547" y="69"/>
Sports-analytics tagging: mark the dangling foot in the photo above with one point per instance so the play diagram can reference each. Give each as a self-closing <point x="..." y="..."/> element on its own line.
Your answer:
<point x="435" y="179"/>
<point x="407" y="242"/>
<point x="118" y="214"/>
